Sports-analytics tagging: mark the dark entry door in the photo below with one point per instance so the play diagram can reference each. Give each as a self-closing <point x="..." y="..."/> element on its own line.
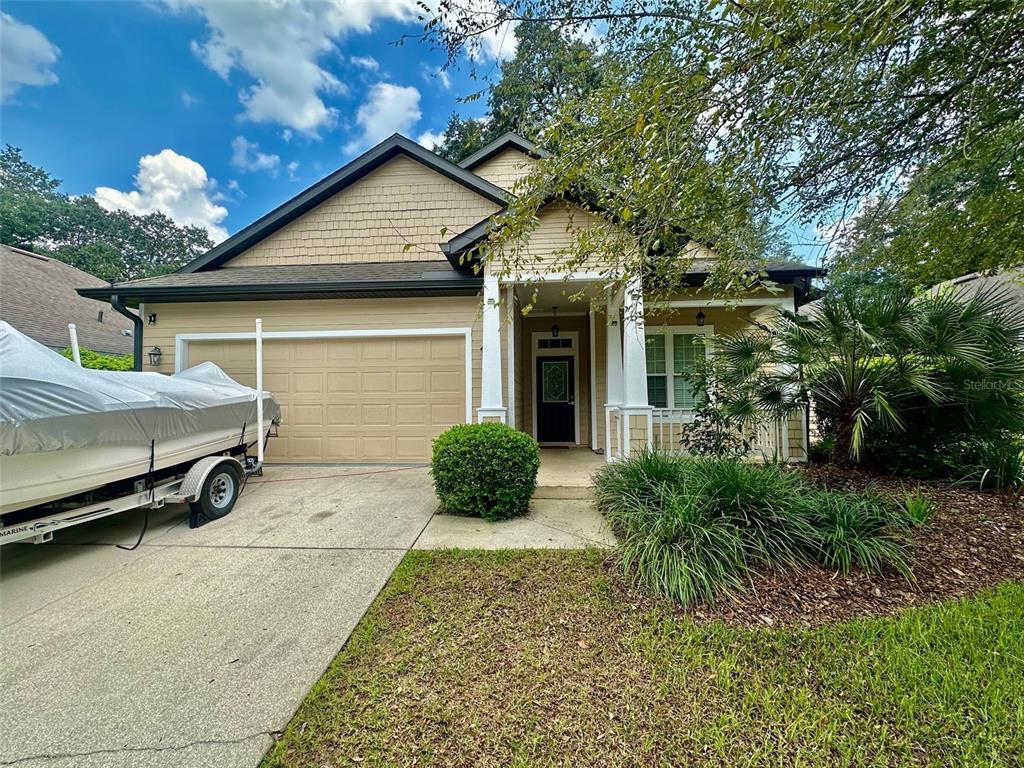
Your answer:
<point x="556" y="401"/>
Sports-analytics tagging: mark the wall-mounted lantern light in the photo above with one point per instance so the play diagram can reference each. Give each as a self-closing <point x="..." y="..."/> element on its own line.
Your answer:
<point x="554" y="323"/>
<point x="151" y="318"/>
<point x="700" y="319"/>
<point x="154" y="356"/>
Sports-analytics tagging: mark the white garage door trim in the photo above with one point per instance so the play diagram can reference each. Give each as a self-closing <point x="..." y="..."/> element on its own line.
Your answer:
<point x="181" y="341"/>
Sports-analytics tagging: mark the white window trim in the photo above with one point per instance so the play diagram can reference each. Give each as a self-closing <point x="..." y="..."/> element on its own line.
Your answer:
<point x="182" y="340"/>
<point x="668" y="331"/>
<point x="535" y="353"/>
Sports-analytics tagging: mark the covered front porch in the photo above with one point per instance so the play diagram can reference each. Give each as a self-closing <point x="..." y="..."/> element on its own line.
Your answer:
<point x="590" y="366"/>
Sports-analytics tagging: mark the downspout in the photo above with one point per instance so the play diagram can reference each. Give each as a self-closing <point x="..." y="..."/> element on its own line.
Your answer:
<point x="115" y="302"/>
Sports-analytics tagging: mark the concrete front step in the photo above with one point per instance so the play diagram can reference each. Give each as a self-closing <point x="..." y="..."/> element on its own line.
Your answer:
<point x="573" y="492"/>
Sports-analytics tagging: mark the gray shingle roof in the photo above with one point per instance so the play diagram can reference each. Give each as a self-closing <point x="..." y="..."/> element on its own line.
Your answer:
<point x="37" y="296"/>
<point x="435" y="277"/>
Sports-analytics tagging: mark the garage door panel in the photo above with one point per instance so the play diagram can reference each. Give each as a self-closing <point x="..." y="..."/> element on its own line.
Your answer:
<point x="410" y="416"/>
<point x="353" y="400"/>
<point x="342" y="383"/>
<point x="447" y="382"/>
<point x="376" y="382"/>
<point x="377" y="447"/>
<point x="443" y="415"/>
<point x="376" y="350"/>
<point x="447" y="349"/>
<point x="342" y="416"/>
<point x="308" y="383"/>
<point x="411" y="381"/>
<point x="307" y="415"/>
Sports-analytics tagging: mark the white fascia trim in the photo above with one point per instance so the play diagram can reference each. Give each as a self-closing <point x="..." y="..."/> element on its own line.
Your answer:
<point x="781" y="301"/>
<point x="182" y="340"/>
<point x="556" y="277"/>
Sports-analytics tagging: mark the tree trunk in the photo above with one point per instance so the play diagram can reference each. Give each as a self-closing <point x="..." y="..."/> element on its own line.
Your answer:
<point x="842" y="455"/>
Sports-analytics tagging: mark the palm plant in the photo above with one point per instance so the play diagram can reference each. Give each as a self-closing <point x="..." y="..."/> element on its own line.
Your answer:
<point x="867" y="358"/>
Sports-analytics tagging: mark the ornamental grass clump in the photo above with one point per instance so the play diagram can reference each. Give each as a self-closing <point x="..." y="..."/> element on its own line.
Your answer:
<point x="695" y="528"/>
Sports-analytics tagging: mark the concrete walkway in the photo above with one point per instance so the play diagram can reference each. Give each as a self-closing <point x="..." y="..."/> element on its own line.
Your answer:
<point x="197" y="646"/>
<point x="551" y="524"/>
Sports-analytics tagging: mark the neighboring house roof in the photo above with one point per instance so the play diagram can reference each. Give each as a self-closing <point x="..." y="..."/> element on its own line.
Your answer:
<point x="294" y="281"/>
<point x="37" y="296"/>
<point x="366" y="163"/>
<point x="506" y="141"/>
<point x="1009" y="284"/>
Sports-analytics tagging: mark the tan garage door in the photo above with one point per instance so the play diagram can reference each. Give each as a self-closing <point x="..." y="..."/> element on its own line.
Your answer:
<point x="353" y="400"/>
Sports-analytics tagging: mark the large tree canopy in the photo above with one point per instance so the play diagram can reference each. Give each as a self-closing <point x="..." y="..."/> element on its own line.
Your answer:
<point x="114" y="245"/>
<point x="547" y="73"/>
<point x="715" y="118"/>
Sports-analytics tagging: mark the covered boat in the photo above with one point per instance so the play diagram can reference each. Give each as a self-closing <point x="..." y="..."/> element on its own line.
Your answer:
<point x="66" y="430"/>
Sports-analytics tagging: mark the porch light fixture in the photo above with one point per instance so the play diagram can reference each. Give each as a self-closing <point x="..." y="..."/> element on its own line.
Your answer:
<point x="700" y="319"/>
<point x="151" y="318"/>
<point x="154" y="356"/>
<point x="554" y="323"/>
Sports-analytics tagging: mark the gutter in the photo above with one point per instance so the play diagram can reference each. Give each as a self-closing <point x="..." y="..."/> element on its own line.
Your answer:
<point x="115" y="302"/>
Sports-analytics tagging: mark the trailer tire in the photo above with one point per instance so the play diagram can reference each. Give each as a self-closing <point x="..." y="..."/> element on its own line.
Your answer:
<point x="219" y="492"/>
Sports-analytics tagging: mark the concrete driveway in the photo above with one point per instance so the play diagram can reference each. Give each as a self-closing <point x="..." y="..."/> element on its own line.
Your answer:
<point x="197" y="646"/>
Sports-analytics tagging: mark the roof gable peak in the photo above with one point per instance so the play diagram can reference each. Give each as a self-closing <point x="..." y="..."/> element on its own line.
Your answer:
<point x="394" y="146"/>
<point x="507" y="140"/>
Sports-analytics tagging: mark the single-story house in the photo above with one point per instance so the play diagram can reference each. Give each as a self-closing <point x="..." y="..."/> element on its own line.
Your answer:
<point x="38" y="297"/>
<point x="378" y="336"/>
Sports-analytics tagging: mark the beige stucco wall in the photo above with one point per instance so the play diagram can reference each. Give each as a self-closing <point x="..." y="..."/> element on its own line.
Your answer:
<point x="506" y="168"/>
<point x="402" y="202"/>
<point x="315" y="315"/>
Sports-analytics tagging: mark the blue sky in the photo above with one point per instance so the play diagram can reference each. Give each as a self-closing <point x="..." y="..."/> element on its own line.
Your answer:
<point x="213" y="111"/>
<point x="217" y="112"/>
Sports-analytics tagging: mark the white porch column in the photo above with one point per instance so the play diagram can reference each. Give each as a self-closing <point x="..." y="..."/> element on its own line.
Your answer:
<point x="613" y="373"/>
<point x="510" y="344"/>
<point x="636" y="411"/>
<point x="491" y="408"/>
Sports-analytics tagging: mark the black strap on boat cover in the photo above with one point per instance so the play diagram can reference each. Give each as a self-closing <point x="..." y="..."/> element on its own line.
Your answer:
<point x="152" y="497"/>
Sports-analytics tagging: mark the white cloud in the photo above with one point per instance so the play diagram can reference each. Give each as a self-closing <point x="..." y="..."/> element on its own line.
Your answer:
<point x="174" y="185"/>
<point x="388" y="109"/>
<point x="292" y="167"/>
<point x="286" y="135"/>
<point x="499" y="44"/>
<point x="432" y="75"/>
<point x="246" y="156"/>
<point x="365" y="62"/>
<point x="429" y="139"/>
<point x="280" y="46"/>
<point x="26" y="57"/>
<point x="188" y="100"/>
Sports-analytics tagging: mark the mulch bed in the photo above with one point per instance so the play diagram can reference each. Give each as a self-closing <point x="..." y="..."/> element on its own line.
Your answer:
<point x="973" y="542"/>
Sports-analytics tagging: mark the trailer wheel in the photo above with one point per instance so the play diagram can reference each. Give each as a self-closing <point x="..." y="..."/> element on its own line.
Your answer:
<point x="220" y="491"/>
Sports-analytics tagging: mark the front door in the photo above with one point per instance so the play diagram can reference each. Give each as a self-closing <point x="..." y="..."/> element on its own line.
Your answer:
<point x="556" y="401"/>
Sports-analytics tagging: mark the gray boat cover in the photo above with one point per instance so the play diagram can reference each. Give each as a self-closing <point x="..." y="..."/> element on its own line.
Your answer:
<point x="48" y="403"/>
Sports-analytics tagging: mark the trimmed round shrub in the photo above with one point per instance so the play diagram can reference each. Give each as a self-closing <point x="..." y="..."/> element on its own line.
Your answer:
<point x="485" y="470"/>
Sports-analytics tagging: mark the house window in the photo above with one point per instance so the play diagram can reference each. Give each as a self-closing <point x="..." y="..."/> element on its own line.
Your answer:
<point x="671" y="358"/>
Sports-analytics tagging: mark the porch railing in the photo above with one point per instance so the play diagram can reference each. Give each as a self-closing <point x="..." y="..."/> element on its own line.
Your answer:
<point x="768" y="442"/>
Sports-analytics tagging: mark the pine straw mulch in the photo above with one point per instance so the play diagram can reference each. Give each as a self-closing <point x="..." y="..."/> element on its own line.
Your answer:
<point x="974" y="541"/>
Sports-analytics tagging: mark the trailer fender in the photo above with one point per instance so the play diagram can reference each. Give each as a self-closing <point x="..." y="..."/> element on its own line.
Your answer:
<point x="192" y="485"/>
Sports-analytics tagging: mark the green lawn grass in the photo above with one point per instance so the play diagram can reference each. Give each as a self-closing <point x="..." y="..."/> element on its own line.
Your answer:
<point x="543" y="659"/>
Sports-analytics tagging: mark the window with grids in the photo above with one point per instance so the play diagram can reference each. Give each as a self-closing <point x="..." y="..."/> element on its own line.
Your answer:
<point x="671" y="357"/>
